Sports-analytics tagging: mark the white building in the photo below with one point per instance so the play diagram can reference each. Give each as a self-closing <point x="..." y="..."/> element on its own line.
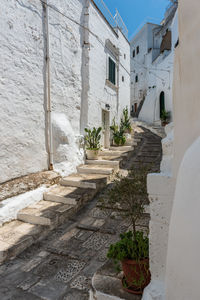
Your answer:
<point x="174" y="193"/>
<point x="152" y="56"/>
<point x="63" y="67"/>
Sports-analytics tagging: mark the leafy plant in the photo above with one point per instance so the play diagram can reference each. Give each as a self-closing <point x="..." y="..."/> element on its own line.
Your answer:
<point x="127" y="198"/>
<point x="165" y="116"/>
<point x="129" y="195"/>
<point x="118" y="134"/>
<point x="130" y="247"/>
<point x="92" y="138"/>
<point x="125" y="121"/>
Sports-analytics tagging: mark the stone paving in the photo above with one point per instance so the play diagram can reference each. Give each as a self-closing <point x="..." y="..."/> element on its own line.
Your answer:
<point x="61" y="266"/>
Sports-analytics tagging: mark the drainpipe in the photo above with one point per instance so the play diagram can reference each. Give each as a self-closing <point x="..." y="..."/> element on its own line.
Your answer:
<point x="118" y="87"/>
<point x="48" y="91"/>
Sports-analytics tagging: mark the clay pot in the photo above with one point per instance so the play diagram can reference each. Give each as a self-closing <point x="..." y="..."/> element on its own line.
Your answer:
<point x="133" y="272"/>
<point x="92" y="154"/>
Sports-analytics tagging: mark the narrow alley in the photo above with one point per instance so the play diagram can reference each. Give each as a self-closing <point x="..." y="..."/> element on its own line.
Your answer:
<point x="61" y="265"/>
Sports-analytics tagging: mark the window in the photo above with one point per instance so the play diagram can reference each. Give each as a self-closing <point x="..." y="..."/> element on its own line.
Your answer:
<point x="134" y="53"/>
<point x="124" y="56"/>
<point x="112" y="71"/>
<point x="138" y="49"/>
<point x="123" y="78"/>
<point x="136" y="78"/>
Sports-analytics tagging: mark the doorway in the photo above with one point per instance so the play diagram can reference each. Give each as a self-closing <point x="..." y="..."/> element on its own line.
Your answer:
<point x="105" y="129"/>
<point x="162" y="103"/>
<point x="135" y="107"/>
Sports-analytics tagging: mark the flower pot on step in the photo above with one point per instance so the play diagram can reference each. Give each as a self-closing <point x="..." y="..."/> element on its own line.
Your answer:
<point x="136" y="275"/>
<point x="92" y="154"/>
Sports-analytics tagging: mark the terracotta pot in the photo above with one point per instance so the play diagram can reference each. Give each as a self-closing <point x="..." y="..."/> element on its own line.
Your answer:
<point x="133" y="272"/>
<point x="92" y="154"/>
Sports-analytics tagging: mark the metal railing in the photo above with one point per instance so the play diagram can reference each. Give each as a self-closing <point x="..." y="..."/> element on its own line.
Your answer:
<point x="115" y="21"/>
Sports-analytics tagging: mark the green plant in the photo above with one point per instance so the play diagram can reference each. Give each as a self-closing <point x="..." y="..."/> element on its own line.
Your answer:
<point x="125" y="121"/>
<point x="127" y="197"/>
<point x="118" y="134"/>
<point x="165" y="116"/>
<point x="130" y="246"/>
<point x="92" y="138"/>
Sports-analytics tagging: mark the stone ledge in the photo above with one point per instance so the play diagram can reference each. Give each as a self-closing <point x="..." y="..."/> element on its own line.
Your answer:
<point x="106" y="284"/>
<point x="27" y="183"/>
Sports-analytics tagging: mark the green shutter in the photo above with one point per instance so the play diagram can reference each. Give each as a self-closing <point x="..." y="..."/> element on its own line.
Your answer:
<point x="112" y="71"/>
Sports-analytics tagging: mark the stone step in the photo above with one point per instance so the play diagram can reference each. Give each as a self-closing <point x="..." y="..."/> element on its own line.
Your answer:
<point x="95" y="169"/>
<point x="101" y="162"/>
<point x="113" y="153"/>
<point x="113" y="158"/>
<point x="121" y="148"/>
<point x="62" y="194"/>
<point x="85" y="181"/>
<point x="46" y="213"/>
<point x="16" y="236"/>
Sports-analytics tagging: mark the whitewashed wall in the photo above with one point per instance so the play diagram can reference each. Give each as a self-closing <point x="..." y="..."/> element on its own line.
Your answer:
<point x="100" y="93"/>
<point x="66" y="39"/>
<point x="23" y="147"/>
<point x="22" y="133"/>
<point x="160" y="76"/>
<point x="139" y="63"/>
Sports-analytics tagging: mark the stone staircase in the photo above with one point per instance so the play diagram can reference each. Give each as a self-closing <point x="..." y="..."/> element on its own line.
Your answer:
<point x="61" y="201"/>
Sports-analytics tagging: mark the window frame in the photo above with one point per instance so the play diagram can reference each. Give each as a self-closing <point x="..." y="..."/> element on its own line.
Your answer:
<point x="112" y="70"/>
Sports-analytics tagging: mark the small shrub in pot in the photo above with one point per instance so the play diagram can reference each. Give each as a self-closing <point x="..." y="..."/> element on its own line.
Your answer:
<point x="92" y="141"/>
<point x="128" y="197"/>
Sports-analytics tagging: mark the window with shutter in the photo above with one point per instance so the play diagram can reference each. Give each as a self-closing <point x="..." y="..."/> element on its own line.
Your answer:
<point x="112" y="71"/>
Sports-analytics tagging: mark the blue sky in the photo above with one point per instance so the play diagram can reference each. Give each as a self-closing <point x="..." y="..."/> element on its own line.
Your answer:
<point x="135" y="12"/>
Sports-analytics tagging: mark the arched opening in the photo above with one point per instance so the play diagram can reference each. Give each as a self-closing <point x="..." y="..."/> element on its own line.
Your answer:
<point x="162" y="103"/>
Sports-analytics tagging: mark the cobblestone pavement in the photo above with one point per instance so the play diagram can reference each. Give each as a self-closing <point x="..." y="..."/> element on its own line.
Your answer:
<point x="62" y="265"/>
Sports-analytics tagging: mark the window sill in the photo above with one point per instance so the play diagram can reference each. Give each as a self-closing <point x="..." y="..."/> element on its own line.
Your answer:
<point x="111" y="85"/>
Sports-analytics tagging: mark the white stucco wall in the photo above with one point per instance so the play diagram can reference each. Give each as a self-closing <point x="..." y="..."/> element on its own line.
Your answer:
<point x="182" y="279"/>
<point x="22" y="133"/>
<point x="179" y="270"/>
<point x="159" y="79"/>
<point x="100" y="93"/>
<point x="23" y="147"/>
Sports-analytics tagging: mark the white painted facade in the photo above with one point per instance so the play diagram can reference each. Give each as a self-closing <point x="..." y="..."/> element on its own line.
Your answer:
<point x="79" y="54"/>
<point x="174" y="236"/>
<point x="154" y="69"/>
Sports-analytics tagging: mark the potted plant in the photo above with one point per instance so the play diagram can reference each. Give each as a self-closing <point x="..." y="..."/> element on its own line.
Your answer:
<point x="118" y="134"/>
<point x="125" y="121"/>
<point x="165" y="117"/>
<point x="92" y="141"/>
<point x="126" y="124"/>
<point x="128" y="197"/>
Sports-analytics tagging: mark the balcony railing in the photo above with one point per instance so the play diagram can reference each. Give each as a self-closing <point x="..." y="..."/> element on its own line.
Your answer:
<point x="115" y="21"/>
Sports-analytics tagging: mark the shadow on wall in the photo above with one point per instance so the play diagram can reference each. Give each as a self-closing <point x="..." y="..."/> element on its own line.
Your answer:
<point x="66" y="145"/>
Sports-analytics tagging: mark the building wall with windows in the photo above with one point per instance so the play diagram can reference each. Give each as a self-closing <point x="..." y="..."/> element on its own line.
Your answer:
<point x="107" y="52"/>
<point x="140" y="45"/>
<point x="78" y="73"/>
<point x="154" y="66"/>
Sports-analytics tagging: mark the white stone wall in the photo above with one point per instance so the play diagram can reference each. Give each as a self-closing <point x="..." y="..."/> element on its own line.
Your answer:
<point x="76" y="80"/>
<point x="100" y="93"/>
<point x="137" y="65"/>
<point x="66" y="40"/>
<point x="155" y="76"/>
<point x="22" y="133"/>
